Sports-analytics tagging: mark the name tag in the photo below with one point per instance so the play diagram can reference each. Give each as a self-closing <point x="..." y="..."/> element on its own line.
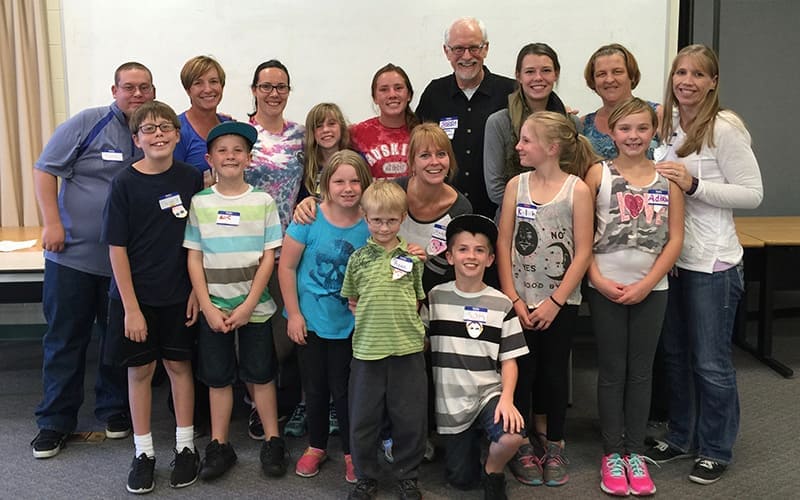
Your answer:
<point x="658" y="199"/>
<point x="449" y="125"/>
<point x="111" y="155"/>
<point x="526" y="211"/>
<point x="169" y="200"/>
<point x="402" y="263"/>
<point x="438" y="243"/>
<point x="476" y="314"/>
<point x="226" y="218"/>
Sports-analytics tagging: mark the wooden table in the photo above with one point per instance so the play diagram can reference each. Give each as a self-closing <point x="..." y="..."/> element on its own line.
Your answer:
<point x="21" y="271"/>
<point x="772" y="251"/>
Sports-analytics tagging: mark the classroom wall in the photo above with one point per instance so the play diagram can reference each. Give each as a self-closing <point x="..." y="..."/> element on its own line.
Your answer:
<point x="760" y="80"/>
<point x="332" y="49"/>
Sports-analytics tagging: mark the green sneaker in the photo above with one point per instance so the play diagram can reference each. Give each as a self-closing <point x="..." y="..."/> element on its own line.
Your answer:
<point x="296" y="426"/>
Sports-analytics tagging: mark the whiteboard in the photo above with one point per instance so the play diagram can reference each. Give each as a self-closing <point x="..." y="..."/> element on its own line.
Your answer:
<point x="332" y="49"/>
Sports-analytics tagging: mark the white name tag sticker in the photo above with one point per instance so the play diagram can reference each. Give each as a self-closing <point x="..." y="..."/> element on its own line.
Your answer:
<point x="227" y="218"/>
<point x="449" y="125"/>
<point x="438" y="243"/>
<point x="526" y="211"/>
<point x="111" y="155"/>
<point x="169" y="200"/>
<point x="402" y="263"/>
<point x="476" y="314"/>
<point x="658" y="199"/>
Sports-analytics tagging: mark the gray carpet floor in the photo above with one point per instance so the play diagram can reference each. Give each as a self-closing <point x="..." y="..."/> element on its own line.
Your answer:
<point x="766" y="454"/>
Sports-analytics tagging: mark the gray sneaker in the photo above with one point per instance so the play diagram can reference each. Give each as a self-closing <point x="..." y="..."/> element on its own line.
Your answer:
<point x="555" y="465"/>
<point x="526" y="467"/>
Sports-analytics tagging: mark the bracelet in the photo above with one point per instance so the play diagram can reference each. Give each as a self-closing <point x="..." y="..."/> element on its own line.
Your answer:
<point x="556" y="302"/>
<point x="693" y="187"/>
<point x="515" y="300"/>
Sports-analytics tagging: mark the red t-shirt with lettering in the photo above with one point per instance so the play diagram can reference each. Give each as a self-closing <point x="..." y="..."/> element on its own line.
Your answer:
<point x="384" y="148"/>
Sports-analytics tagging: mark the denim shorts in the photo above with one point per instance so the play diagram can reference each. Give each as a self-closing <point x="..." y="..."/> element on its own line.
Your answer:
<point x="217" y="355"/>
<point x="168" y="337"/>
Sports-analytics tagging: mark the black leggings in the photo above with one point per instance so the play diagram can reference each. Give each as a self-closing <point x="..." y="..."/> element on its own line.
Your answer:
<point x="543" y="381"/>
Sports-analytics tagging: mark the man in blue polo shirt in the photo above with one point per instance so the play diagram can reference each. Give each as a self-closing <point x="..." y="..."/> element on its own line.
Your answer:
<point x="85" y="152"/>
<point x="462" y="101"/>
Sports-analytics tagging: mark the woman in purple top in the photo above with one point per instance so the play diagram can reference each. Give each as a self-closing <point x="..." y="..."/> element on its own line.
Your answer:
<point x="203" y="78"/>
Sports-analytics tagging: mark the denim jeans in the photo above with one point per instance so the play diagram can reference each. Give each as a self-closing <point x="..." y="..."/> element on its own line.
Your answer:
<point x="698" y="329"/>
<point x="72" y="300"/>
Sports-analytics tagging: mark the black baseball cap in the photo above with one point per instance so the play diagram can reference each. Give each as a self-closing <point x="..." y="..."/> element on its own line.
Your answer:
<point x="233" y="128"/>
<point x="475" y="224"/>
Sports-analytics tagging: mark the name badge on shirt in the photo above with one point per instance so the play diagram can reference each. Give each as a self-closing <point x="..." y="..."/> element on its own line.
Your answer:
<point x="226" y="218"/>
<point x="401" y="265"/>
<point x="449" y="125"/>
<point x="526" y="211"/>
<point x="438" y="243"/>
<point x="658" y="199"/>
<point x="111" y="155"/>
<point x="169" y="200"/>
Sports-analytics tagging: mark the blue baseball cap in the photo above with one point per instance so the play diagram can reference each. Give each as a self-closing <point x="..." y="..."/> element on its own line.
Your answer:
<point x="233" y="128"/>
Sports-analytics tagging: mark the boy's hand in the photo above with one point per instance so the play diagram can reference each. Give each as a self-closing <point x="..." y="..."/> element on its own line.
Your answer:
<point x="192" y="309"/>
<point x="53" y="237"/>
<point x="542" y="317"/>
<point x="352" y="302"/>
<point x="306" y="211"/>
<point x="239" y="316"/>
<point x="135" y="326"/>
<point x="216" y="320"/>
<point x="296" y="329"/>
<point x="512" y="419"/>
<point x="417" y="251"/>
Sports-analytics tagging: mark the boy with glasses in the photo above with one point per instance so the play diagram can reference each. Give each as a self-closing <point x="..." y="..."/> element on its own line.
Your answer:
<point x="150" y="301"/>
<point x="387" y="374"/>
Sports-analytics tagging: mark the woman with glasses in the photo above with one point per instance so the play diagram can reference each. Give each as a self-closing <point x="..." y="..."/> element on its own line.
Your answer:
<point x="276" y="167"/>
<point x="537" y="73"/>
<point x="383" y="140"/>
<point x="203" y="79"/>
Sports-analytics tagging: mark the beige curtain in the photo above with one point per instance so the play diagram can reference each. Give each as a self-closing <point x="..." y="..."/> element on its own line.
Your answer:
<point x="26" y="106"/>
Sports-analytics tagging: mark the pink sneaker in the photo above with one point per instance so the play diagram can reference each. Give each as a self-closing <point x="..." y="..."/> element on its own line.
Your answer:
<point x="612" y="474"/>
<point x="308" y="465"/>
<point x="349" y="470"/>
<point x="638" y="476"/>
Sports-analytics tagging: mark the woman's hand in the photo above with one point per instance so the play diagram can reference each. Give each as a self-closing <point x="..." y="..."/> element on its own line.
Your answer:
<point x="677" y="173"/>
<point x="306" y="211"/>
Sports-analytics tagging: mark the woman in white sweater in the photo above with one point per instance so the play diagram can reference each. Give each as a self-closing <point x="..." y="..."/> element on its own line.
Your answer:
<point x="708" y="155"/>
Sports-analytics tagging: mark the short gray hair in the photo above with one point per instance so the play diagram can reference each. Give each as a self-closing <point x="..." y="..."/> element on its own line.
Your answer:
<point x="466" y="20"/>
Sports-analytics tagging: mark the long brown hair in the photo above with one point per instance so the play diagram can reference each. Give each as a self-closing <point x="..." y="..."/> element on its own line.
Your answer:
<point x="313" y="155"/>
<point x="411" y="118"/>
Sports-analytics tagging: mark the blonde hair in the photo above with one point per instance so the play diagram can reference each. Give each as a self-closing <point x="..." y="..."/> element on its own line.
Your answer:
<point x="384" y="195"/>
<point x="427" y="134"/>
<point x="575" y="154"/>
<point x="631" y="107"/>
<point x="313" y="155"/>
<point x="344" y="157"/>
<point x="199" y="66"/>
<point x="701" y="129"/>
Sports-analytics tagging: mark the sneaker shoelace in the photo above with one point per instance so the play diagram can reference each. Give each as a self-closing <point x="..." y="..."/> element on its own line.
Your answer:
<point x="616" y="466"/>
<point x="661" y="446"/>
<point x="638" y="467"/>
<point x="528" y="461"/>
<point x="298" y="415"/>
<point x="707" y="464"/>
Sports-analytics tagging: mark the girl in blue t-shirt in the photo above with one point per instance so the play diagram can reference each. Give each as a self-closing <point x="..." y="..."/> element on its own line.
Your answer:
<point x="311" y="269"/>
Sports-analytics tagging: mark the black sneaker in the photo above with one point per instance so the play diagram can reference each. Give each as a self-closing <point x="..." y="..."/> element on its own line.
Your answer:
<point x="48" y="443"/>
<point x="118" y="426"/>
<point x="273" y="457"/>
<point x="494" y="486"/>
<point x="707" y="471"/>
<point x="140" y="478"/>
<point x="365" y="489"/>
<point x="408" y="489"/>
<point x="662" y="453"/>
<point x="254" y="427"/>
<point x="184" y="468"/>
<point x="219" y="458"/>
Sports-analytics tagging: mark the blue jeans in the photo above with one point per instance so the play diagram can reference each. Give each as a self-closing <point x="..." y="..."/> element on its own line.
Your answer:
<point x="72" y="300"/>
<point x="698" y="329"/>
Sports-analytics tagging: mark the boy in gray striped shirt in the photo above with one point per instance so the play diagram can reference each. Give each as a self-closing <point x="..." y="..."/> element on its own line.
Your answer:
<point x="475" y="339"/>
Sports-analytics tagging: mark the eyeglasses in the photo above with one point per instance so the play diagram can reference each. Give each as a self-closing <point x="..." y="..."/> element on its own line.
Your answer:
<point x="390" y="223"/>
<point x="266" y="88"/>
<point x="473" y="49"/>
<point x="150" y="128"/>
<point x="144" y="88"/>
